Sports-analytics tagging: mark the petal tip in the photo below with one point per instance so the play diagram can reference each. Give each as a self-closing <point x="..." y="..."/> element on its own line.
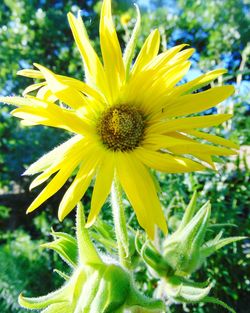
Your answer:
<point x="90" y="222"/>
<point x="61" y="216"/>
<point x="20" y="72"/>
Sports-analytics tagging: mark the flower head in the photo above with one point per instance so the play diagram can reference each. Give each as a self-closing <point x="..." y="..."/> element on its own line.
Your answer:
<point x="94" y="286"/>
<point x="127" y="119"/>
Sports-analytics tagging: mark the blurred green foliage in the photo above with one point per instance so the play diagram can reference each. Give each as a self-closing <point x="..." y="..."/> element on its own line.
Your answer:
<point x="37" y="31"/>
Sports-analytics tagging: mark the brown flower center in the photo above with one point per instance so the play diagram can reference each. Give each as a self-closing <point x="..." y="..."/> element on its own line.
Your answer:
<point x="121" y="128"/>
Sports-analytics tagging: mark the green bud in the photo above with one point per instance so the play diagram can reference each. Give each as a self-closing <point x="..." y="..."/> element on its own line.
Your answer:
<point x="186" y="250"/>
<point x="181" y="250"/>
<point x="182" y="253"/>
<point x="94" y="286"/>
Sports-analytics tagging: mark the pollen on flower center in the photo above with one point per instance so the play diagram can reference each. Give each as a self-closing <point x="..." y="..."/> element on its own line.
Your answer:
<point x="121" y="128"/>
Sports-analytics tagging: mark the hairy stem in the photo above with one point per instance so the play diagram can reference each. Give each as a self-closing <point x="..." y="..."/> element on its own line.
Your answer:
<point x="120" y="224"/>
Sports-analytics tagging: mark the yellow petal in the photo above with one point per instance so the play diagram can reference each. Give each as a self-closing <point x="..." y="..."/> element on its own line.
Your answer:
<point x="178" y="135"/>
<point x="198" y="102"/>
<point x="111" y="51"/>
<point x="205" y="158"/>
<point x="214" y="139"/>
<point x="55" y="184"/>
<point x="45" y="161"/>
<point x="181" y="144"/>
<point x="77" y="84"/>
<point x="46" y="94"/>
<point x="175" y="74"/>
<point x="32" y="88"/>
<point x="187" y="123"/>
<point x="167" y="163"/>
<point x="140" y="190"/>
<point x="155" y="88"/>
<point x="63" y="120"/>
<point x="182" y="56"/>
<point x="201" y="157"/>
<point x="28" y="123"/>
<point x="81" y="182"/>
<point x="148" y="51"/>
<point x="163" y="58"/>
<point x="157" y="142"/>
<point x="198" y="82"/>
<point x="27" y="101"/>
<point x="31" y="114"/>
<point x="48" y="113"/>
<point x="82" y="87"/>
<point x="74" y="153"/>
<point x="168" y="77"/>
<point x="200" y="148"/>
<point x="30" y="73"/>
<point x="157" y="83"/>
<point x="104" y="178"/>
<point x="94" y="71"/>
<point x="67" y="94"/>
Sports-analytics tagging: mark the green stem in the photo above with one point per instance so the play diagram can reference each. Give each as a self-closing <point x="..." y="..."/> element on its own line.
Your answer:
<point x="120" y="224"/>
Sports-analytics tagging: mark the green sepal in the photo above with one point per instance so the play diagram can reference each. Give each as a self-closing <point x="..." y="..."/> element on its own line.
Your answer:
<point x="218" y="302"/>
<point x="104" y="229"/>
<point x="62" y="274"/>
<point x="220" y="225"/>
<point x="137" y="300"/>
<point x="183" y="290"/>
<point x="130" y="48"/>
<point x="58" y="308"/>
<point x="212" y="246"/>
<point x="109" y="245"/>
<point x="86" y="250"/>
<point x="37" y="303"/>
<point x="189" y="212"/>
<point x="66" y="246"/>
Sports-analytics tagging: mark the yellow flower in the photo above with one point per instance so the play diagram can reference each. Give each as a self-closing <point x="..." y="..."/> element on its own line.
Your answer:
<point x="125" y="18"/>
<point x="126" y="120"/>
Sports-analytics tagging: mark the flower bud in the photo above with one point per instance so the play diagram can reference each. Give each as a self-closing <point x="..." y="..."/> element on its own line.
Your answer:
<point x="182" y="253"/>
<point x="182" y="249"/>
<point x="94" y="286"/>
<point x="186" y="250"/>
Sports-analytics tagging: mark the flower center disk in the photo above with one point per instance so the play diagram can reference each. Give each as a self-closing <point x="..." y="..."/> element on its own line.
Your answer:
<point x="121" y="128"/>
